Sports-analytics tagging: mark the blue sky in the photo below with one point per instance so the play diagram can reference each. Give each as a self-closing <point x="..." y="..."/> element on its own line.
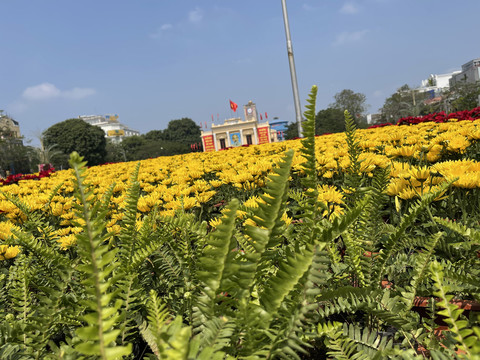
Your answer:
<point x="151" y="61"/>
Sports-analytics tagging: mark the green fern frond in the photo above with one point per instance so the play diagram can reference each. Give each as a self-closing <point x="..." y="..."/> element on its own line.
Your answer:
<point x="269" y="214"/>
<point x="132" y="295"/>
<point x="217" y="334"/>
<point x="462" y="333"/>
<point x="353" y="178"/>
<point x="307" y="150"/>
<point x="270" y="228"/>
<point x="58" y="266"/>
<point x="470" y="233"/>
<point x="286" y="278"/>
<point x="178" y="341"/>
<point x="394" y="243"/>
<point x="297" y="316"/>
<point x="167" y="341"/>
<point x="52" y="194"/>
<point x="100" y="334"/>
<point x="366" y="234"/>
<point x="148" y="242"/>
<point x="157" y="315"/>
<point x="19" y="290"/>
<point x="368" y="342"/>
<point x="128" y="233"/>
<point x="354" y="257"/>
<point x="461" y="275"/>
<point x="422" y="262"/>
<point x="292" y="269"/>
<point x="380" y="304"/>
<point x="213" y="261"/>
<point x="340" y="347"/>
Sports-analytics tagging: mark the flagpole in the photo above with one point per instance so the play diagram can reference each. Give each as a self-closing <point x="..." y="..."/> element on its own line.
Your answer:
<point x="293" y="74"/>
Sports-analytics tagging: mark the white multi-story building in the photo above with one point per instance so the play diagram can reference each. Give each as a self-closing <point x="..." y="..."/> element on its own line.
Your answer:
<point x="470" y="73"/>
<point x="436" y="83"/>
<point x="109" y="123"/>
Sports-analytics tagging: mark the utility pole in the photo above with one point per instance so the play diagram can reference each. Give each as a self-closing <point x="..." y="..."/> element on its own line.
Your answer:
<point x="293" y="74"/>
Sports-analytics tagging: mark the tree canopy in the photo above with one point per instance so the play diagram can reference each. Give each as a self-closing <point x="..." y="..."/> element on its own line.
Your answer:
<point x="404" y="102"/>
<point x="177" y="138"/>
<point x="77" y="135"/>
<point x="16" y="157"/>
<point x="353" y="102"/>
<point x="412" y="102"/>
<point x="183" y="130"/>
<point x="329" y="120"/>
<point x="463" y="96"/>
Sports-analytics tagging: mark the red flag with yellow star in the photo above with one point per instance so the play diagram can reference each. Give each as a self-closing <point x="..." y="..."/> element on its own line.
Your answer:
<point x="233" y="106"/>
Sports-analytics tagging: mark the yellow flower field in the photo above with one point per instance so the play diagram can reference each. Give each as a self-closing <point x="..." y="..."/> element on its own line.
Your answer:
<point x="420" y="157"/>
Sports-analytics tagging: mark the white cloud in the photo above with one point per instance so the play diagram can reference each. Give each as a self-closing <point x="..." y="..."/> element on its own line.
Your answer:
<point x="378" y="93"/>
<point x="349" y="8"/>
<point x="48" y="91"/>
<point x="195" y="16"/>
<point x="41" y="92"/>
<point x="349" y="37"/>
<point x="166" y="27"/>
<point x="161" y="30"/>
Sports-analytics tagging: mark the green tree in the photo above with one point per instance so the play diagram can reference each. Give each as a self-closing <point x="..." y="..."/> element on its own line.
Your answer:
<point x="15" y="157"/>
<point x="130" y="147"/>
<point x="175" y="139"/>
<point x="156" y="135"/>
<point x="292" y="131"/>
<point x="76" y="135"/>
<point x="353" y="102"/>
<point x="405" y="102"/>
<point x="462" y="96"/>
<point x="329" y="120"/>
<point x="115" y="152"/>
<point x="46" y="154"/>
<point x="183" y="130"/>
<point x="135" y="148"/>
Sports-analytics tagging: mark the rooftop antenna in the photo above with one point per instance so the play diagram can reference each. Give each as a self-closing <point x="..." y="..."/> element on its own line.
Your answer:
<point x="293" y="74"/>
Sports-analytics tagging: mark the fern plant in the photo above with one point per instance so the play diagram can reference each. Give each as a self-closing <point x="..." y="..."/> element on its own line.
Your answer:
<point x="253" y="287"/>
<point x="98" y="263"/>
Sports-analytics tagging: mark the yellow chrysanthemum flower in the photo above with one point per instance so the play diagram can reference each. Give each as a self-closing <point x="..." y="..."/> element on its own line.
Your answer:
<point x="204" y="197"/>
<point x="252" y="203"/>
<point x="67" y="241"/>
<point x="215" y="222"/>
<point x="6" y="229"/>
<point x="8" y="252"/>
<point x="216" y="183"/>
<point x="407" y="193"/>
<point x="421" y="174"/>
<point x="286" y="219"/>
<point x="329" y="194"/>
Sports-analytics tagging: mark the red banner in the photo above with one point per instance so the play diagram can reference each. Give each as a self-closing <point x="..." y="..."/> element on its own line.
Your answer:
<point x="233" y="106"/>
<point x="208" y="144"/>
<point x="263" y="135"/>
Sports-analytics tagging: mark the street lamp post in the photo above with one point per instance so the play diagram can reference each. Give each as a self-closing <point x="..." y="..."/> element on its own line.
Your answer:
<point x="293" y="74"/>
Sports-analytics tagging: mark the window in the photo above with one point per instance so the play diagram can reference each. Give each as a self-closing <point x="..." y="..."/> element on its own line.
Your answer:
<point x="249" y="139"/>
<point x="222" y="144"/>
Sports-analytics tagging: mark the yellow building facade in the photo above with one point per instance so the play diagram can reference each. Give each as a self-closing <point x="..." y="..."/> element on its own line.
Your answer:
<point x="236" y="132"/>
